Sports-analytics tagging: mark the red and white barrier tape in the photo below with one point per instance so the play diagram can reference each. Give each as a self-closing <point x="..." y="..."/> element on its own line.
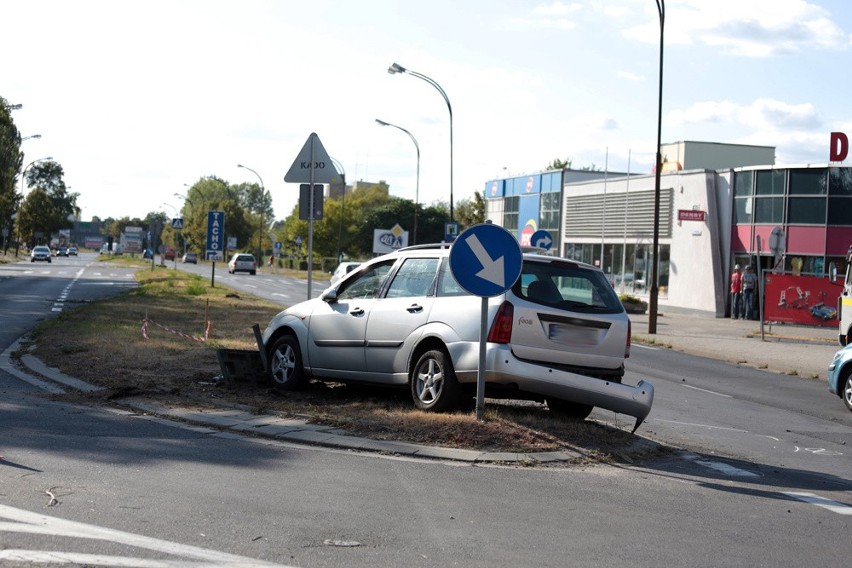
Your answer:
<point x="146" y="321"/>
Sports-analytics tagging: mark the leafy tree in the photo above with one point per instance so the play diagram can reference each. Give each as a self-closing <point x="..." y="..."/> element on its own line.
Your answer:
<point x="558" y="164"/>
<point x="213" y="194"/>
<point x="38" y="217"/>
<point x="470" y="212"/>
<point x="11" y="159"/>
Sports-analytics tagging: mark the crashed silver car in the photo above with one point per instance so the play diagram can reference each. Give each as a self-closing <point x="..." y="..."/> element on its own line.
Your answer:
<point x="559" y="335"/>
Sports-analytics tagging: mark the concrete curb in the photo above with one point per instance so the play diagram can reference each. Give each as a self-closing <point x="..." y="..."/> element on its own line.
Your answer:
<point x="242" y="422"/>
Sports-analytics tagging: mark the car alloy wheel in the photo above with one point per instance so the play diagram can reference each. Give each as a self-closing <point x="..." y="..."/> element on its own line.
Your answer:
<point x="285" y="364"/>
<point x="433" y="382"/>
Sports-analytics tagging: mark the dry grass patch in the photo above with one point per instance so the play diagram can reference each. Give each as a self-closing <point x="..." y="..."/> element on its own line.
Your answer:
<point x="102" y="343"/>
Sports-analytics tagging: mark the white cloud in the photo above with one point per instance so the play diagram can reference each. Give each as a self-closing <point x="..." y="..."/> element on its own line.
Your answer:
<point x="762" y="114"/>
<point x="758" y="28"/>
<point x="630" y="76"/>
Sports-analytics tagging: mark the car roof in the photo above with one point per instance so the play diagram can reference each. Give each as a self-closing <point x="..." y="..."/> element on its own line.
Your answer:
<point x="443" y="249"/>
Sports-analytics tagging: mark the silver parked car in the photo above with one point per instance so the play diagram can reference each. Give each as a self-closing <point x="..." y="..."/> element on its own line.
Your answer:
<point x="40" y="253"/>
<point x="559" y="335"/>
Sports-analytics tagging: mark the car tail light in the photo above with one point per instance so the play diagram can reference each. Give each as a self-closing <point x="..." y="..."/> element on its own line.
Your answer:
<point x="629" y="336"/>
<point x="501" y="328"/>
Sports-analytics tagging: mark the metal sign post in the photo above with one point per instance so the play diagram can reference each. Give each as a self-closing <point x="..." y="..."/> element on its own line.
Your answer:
<point x="312" y="165"/>
<point x="485" y="260"/>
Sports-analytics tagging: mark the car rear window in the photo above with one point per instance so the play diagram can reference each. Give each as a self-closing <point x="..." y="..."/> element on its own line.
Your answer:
<point x="566" y="286"/>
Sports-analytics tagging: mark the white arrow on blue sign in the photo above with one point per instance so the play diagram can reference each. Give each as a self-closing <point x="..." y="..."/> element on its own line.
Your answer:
<point x="486" y="260"/>
<point x="541" y="239"/>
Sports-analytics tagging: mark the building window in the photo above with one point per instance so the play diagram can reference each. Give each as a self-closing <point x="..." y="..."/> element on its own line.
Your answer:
<point x="510" y="214"/>
<point x="549" y="214"/>
<point x="808" y="182"/>
<point x="840" y="196"/>
<point x="770" y="182"/>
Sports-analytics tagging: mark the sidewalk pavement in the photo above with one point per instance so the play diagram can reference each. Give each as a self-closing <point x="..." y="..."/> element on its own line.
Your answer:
<point x="798" y="350"/>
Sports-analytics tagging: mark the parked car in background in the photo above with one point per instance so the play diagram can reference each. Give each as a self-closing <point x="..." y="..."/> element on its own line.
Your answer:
<point x="72" y="251"/>
<point x="148" y="253"/>
<point x="242" y="262"/>
<point x="169" y="254"/>
<point x="342" y="270"/>
<point x="40" y="253"/>
<point x="840" y="375"/>
<point x="62" y="251"/>
<point x="190" y="258"/>
<point x="559" y="335"/>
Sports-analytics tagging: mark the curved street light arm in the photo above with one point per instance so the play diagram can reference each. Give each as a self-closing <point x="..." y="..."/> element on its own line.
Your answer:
<point x="397" y="68"/>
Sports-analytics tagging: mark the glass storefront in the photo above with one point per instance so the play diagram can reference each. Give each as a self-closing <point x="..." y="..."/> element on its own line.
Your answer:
<point x="628" y="267"/>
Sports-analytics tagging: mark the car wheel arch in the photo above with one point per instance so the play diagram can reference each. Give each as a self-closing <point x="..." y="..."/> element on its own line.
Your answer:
<point x="425" y="344"/>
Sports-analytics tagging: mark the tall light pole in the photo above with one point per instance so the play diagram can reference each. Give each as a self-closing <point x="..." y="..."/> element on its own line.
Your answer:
<point x="262" y="204"/>
<point x="342" y="173"/>
<point x="417" y="184"/>
<point x="655" y="290"/>
<point x="397" y="68"/>
<point x="23" y="177"/>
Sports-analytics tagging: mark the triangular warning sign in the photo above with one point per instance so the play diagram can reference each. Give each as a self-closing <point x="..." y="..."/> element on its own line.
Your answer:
<point x="312" y="165"/>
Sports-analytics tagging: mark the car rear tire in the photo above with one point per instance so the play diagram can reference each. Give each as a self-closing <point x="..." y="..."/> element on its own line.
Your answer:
<point x="433" y="382"/>
<point x="285" y="364"/>
<point x="570" y="409"/>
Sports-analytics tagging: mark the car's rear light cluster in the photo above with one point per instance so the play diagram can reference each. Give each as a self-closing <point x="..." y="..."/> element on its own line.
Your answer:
<point x="629" y="337"/>
<point x="501" y="328"/>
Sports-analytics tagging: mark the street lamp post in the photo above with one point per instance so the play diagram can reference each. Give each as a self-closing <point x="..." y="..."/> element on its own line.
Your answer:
<point x="262" y="203"/>
<point x="655" y="291"/>
<point x="397" y="68"/>
<point x="18" y="219"/>
<point x="417" y="184"/>
<point x="342" y="172"/>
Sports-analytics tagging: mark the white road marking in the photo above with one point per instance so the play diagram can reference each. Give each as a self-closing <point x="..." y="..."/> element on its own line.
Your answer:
<point x="707" y="391"/>
<point x="722" y="467"/>
<point x="702" y="425"/>
<point x="644" y="346"/>
<point x="814" y="499"/>
<point x="37" y="523"/>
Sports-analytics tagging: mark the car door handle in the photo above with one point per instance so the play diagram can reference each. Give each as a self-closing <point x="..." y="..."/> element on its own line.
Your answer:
<point x="414" y="308"/>
<point x="357" y="312"/>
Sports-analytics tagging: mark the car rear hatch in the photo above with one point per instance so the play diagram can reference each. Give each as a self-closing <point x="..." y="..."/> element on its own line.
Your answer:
<point x="566" y="314"/>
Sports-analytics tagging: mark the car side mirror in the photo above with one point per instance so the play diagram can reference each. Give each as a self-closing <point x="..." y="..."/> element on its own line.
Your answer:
<point x="330" y="295"/>
<point x="832" y="272"/>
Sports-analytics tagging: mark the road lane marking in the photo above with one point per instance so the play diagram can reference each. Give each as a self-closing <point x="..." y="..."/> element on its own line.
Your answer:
<point x="702" y="425"/>
<point x="37" y="523"/>
<point x="644" y="346"/>
<point x="707" y="391"/>
<point x="814" y="499"/>
<point x="721" y="467"/>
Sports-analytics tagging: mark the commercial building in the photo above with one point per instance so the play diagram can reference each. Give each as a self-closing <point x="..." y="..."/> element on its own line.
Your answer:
<point x="720" y="204"/>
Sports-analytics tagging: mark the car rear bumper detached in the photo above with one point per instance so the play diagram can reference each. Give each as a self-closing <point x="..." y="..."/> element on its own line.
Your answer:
<point x="504" y="368"/>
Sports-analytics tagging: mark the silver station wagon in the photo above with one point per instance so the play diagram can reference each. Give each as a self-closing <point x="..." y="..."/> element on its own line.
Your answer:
<point x="559" y="335"/>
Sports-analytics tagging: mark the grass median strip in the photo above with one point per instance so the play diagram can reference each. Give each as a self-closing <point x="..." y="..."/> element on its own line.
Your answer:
<point x="103" y="343"/>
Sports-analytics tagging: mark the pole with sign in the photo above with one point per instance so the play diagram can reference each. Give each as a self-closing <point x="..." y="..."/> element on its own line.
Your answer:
<point x="312" y="165"/>
<point x="485" y="260"/>
<point x="215" y="240"/>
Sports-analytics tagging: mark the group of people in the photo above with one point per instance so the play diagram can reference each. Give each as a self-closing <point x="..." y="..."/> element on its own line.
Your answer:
<point x="743" y="285"/>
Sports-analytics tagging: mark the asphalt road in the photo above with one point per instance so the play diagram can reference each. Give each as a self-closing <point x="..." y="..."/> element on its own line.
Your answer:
<point x="763" y="480"/>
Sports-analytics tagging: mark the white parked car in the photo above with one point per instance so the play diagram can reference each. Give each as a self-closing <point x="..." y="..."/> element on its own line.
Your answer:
<point x="342" y="270"/>
<point x="559" y="335"/>
<point x="242" y="262"/>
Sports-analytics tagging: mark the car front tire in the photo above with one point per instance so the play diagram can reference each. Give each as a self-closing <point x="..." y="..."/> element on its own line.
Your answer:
<point x="847" y="388"/>
<point x="285" y="364"/>
<point x="433" y="382"/>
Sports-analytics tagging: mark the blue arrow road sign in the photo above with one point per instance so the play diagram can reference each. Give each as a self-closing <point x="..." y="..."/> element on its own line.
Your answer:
<point x="541" y="239"/>
<point x="486" y="260"/>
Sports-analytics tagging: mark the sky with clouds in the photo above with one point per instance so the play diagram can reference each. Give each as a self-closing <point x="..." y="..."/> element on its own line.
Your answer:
<point x="138" y="99"/>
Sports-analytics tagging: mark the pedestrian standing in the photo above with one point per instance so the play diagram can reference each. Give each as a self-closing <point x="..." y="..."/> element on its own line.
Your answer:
<point x="736" y="292"/>
<point x="749" y="283"/>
